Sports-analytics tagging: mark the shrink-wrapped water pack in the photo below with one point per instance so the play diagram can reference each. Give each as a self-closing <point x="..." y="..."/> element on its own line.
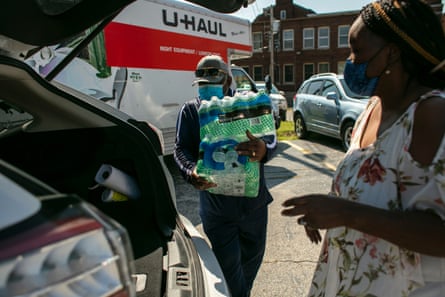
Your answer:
<point x="223" y="124"/>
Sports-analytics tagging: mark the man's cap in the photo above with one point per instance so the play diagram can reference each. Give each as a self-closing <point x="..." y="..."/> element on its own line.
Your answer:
<point x="211" y="69"/>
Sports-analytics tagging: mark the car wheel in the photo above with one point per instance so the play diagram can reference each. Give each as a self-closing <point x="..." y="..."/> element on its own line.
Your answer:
<point x="346" y="135"/>
<point x="300" y="126"/>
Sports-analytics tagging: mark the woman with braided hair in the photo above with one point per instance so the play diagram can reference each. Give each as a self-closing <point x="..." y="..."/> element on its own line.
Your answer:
<point x="385" y="216"/>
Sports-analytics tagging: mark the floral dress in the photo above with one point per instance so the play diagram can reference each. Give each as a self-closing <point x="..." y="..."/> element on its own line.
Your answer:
<point x="383" y="175"/>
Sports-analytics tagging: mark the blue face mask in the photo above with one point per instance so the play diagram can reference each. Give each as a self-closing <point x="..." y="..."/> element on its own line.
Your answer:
<point x="206" y="92"/>
<point x="356" y="79"/>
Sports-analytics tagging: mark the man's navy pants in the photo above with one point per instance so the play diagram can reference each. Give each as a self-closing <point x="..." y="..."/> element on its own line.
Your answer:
<point x="238" y="241"/>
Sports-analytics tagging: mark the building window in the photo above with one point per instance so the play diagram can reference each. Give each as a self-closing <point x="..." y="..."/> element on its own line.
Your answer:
<point x="282" y="15"/>
<point x="323" y="37"/>
<point x="258" y="73"/>
<point x="343" y="32"/>
<point x="308" y="38"/>
<point x="323" y="67"/>
<point x="341" y="67"/>
<point x="308" y="70"/>
<point x="289" y="74"/>
<point x="288" y="40"/>
<point x="257" y="41"/>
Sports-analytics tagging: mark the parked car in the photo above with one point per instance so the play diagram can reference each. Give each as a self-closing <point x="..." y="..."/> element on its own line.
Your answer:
<point x="324" y="104"/>
<point x="276" y="115"/>
<point x="88" y="205"/>
<point x="277" y="96"/>
<point x="243" y="82"/>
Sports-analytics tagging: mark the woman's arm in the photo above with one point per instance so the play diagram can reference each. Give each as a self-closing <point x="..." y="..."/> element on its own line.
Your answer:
<point x="428" y="130"/>
<point x="419" y="231"/>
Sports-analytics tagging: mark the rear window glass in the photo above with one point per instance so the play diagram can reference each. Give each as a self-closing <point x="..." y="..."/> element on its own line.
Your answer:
<point x="314" y="87"/>
<point x="89" y="72"/>
<point x="329" y="86"/>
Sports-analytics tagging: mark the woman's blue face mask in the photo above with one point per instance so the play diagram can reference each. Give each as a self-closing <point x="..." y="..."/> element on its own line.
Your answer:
<point x="356" y="78"/>
<point x="207" y="91"/>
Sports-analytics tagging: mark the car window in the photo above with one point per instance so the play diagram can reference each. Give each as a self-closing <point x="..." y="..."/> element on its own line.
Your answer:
<point x="350" y="93"/>
<point x="94" y="76"/>
<point x="315" y="87"/>
<point x="241" y="80"/>
<point x="47" y="58"/>
<point x="329" y="86"/>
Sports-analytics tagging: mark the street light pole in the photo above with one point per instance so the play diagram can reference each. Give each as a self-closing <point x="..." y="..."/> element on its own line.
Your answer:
<point x="271" y="46"/>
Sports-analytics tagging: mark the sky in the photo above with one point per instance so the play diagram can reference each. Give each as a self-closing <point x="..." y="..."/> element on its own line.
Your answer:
<point x="319" y="6"/>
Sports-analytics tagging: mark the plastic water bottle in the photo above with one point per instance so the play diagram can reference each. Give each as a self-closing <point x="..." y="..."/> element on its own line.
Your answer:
<point x="223" y="124"/>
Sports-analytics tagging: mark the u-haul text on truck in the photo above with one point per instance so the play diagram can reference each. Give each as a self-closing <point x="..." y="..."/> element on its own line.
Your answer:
<point x="144" y="61"/>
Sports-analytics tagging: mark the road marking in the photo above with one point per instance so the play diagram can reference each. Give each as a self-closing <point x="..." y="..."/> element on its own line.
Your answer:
<point x="297" y="147"/>
<point x="304" y="151"/>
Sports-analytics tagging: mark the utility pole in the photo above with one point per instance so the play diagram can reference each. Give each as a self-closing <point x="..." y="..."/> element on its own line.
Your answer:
<point x="271" y="46"/>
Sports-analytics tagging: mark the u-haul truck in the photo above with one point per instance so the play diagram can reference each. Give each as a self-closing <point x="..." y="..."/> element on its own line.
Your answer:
<point x="149" y="53"/>
<point x="160" y="43"/>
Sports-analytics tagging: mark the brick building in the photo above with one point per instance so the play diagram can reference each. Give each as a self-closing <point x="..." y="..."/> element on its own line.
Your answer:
<point x="304" y="43"/>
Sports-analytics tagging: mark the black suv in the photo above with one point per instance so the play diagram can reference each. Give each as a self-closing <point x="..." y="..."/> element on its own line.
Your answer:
<point x="324" y="104"/>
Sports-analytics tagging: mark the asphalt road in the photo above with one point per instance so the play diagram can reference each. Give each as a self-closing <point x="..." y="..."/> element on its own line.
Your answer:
<point x="298" y="167"/>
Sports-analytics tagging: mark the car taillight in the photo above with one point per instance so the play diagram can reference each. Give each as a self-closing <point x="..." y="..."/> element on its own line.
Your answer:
<point x="75" y="252"/>
<point x="295" y="100"/>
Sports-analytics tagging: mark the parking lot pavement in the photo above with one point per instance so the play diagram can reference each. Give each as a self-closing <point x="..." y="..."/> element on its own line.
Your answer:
<point x="290" y="257"/>
<point x="289" y="114"/>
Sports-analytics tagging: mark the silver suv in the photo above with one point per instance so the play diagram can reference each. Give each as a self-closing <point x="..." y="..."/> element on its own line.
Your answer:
<point x="324" y="104"/>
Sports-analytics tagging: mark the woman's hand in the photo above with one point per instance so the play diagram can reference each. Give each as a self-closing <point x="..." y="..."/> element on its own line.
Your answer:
<point x="254" y="148"/>
<point x="313" y="234"/>
<point x="317" y="211"/>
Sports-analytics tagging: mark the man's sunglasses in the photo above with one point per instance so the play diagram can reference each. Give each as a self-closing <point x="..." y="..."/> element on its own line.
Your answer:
<point x="208" y="72"/>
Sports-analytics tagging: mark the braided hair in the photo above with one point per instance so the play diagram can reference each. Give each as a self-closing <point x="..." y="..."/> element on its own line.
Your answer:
<point x="414" y="27"/>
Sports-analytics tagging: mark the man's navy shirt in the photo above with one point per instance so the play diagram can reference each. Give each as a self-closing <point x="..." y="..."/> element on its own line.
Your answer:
<point x="186" y="155"/>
